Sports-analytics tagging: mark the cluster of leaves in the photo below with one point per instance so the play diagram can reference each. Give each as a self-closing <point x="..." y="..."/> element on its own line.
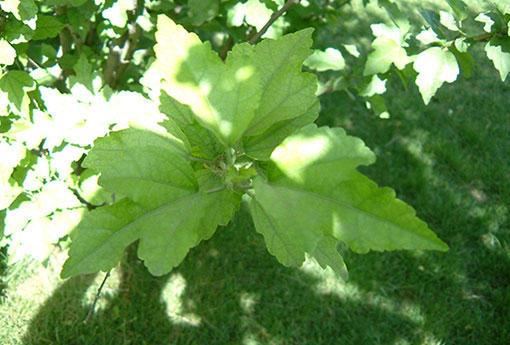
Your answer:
<point x="222" y="140"/>
<point x="430" y="55"/>
<point x="192" y="134"/>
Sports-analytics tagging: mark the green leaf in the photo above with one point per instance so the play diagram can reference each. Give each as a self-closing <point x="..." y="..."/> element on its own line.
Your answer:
<point x="47" y="27"/>
<point x="459" y="8"/>
<point x="500" y="58"/>
<point x="203" y="142"/>
<point x="376" y="86"/>
<point x="386" y="51"/>
<point x="84" y="74"/>
<point x="17" y="84"/>
<point x="327" y="254"/>
<point x="173" y="210"/>
<point x="434" y="66"/>
<point x="330" y="59"/>
<point x="148" y="167"/>
<point x="201" y="11"/>
<point x="166" y="234"/>
<point x="287" y="92"/>
<point x="253" y="12"/>
<point x="260" y="146"/>
<point x="21" y="9"/>
<point x="222" y="96"/>
<point x="313" y="190"/>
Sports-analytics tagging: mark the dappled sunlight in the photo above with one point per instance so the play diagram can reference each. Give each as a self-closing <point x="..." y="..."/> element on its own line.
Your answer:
<point x="298" y="152"/>
<point x="247" y="302"/>
<point x="330" y="284"/>
<point x="109" y="291"/>
<point x="30" y="285"/>
<point x="171" y="296"/>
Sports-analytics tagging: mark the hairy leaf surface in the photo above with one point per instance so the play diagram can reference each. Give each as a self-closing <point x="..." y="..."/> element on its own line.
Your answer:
<point x="172" y="209"/>
<point x="314" y="190"/>
<point x="223" y="96"/>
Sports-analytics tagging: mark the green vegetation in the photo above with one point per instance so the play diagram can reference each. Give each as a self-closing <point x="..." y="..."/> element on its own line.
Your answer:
<point x="447" y="159"/>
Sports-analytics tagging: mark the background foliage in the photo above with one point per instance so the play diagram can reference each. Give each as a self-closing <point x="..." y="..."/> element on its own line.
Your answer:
<point x="85" y="58"/>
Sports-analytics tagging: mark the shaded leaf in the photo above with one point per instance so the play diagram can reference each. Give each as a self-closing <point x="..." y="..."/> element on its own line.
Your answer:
<point x="16" y="84"/>
<point x="46" y="27"/>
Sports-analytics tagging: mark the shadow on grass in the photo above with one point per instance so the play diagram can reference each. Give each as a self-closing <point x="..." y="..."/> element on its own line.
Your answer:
<point x="448" y="160"/>
<point x="235" y="291"/>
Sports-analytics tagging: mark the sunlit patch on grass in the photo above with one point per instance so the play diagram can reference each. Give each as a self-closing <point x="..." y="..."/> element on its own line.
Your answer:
<point x="330" y="284"/>
<point x="247" y="302"/>
<point x="110" y="289"/>
<point x="171" y="297"/>
<point x="30" y="284"/>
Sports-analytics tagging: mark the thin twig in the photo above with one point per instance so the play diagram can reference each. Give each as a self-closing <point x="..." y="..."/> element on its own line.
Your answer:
<point x="271" y="20"/>
<point x="91" y="310"/>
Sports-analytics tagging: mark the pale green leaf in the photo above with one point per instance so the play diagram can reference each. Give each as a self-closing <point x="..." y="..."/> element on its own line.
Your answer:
<point x="85" y="75"/>
<point x="428" y="36"/>
<point x="21" y="9"/>
<point x="276" y="218"/>
<point x="500" y="58"/>
<point x="330" y="59"/>
<point x="260" y="146"/>
<point x="166" y="234"/>
<point x="386" y="51"/>
<point x="17" y="84"/>
<point x="326" y="254"/>
<point x="150" y="168"/>
<point x="313" y="190"/>
<point x="116" y="14"/>
<point x="46" y="27"/>
<point x="448" y="20"/>
<point x="203" y="142"/>
<point x="434" y="66"/>
<point x="486" y="20"/>
<point x="253" y="12"/>
<point x="352" y="49"/>
<point x="376" y="86"/>
<point x="7" y="53"/>
<point x="223" y="96"/>
<point x="287" y="92"/>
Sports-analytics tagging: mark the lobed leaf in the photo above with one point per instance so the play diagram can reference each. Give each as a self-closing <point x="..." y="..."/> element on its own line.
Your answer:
<point x="223" y="97"/>
<point x="314" y="190"/>
<point x="434" y="66"/>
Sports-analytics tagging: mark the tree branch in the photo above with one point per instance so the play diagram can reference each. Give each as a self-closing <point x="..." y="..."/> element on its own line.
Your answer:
<point x="122" y="48"/>
<point x="271" y="20"/>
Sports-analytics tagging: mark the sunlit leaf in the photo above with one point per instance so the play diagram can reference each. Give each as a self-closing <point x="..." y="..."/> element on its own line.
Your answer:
<point x="313" y="190"/>
<point x="500" y="59"/>
<point x="330" y="59"/>
<point x="434" y="66"/>
<point x="222" y="96"/>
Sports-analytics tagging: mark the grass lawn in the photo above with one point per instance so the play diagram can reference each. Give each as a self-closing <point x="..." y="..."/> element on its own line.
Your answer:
<point x="449" y="160"/>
